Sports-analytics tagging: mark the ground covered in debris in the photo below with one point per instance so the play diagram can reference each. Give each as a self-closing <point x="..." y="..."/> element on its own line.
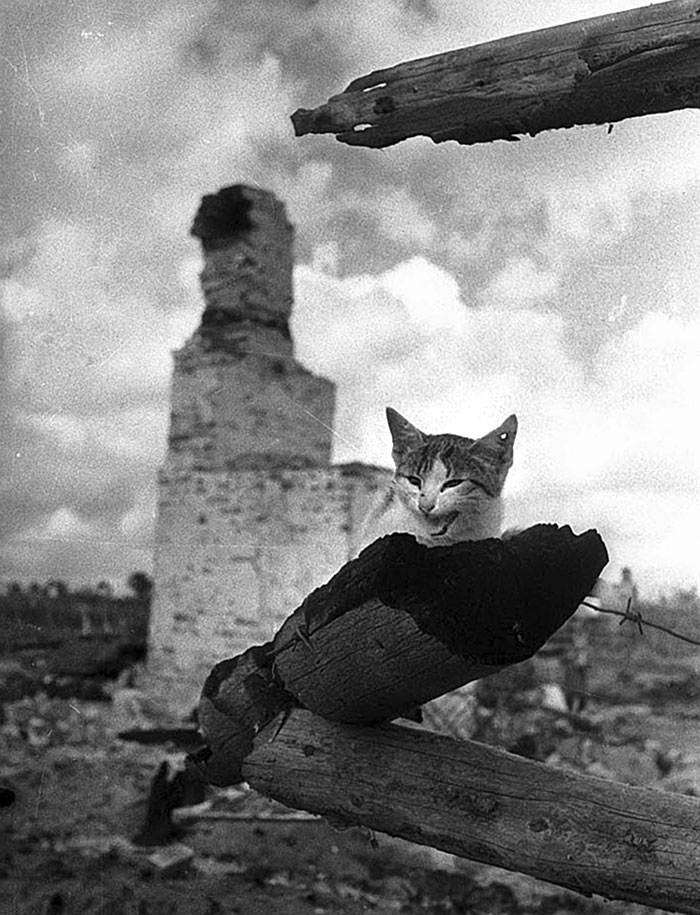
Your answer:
<point x="75" y="796"/>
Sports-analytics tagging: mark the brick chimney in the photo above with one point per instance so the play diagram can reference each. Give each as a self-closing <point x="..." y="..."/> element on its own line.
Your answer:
<point x="248" y="263"/>
<point x="240" y="400"/>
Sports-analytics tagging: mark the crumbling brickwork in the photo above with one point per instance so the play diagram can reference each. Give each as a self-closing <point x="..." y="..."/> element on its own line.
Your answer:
<point x="251" y="514"/>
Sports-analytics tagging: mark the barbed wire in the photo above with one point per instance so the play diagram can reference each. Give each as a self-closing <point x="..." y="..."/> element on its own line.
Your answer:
<point x="635" y="616"/>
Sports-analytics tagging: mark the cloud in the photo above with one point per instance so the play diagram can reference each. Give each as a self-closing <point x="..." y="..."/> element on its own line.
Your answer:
<point x="592" y="440"/>
<point x="521" y="281"/>
<point x="429" y="294"/>
<point x="556" y="276"/>
<point x="62" y="525"/>
<point x="84" y="406"/>
<point x="406" y="338"/>
<point x="82" y="344"/>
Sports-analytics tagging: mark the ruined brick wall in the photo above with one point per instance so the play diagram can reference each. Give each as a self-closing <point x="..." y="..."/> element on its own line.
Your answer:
<point x="237" y="552"/>
<point x="233" y="408"/>
<point x="251" y="514"/>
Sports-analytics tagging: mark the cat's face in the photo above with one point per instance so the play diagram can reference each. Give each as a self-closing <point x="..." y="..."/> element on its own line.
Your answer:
<point x="438" y="475"/>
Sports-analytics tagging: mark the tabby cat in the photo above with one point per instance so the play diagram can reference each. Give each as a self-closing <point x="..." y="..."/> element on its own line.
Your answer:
<point x="446" y="488"/>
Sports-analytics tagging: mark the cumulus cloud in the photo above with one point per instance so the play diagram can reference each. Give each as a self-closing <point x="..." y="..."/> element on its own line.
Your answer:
<point x="555" y="277"/>
<point x="521" y="281"/>
<point x="84" y="411"/>
<point x="600" y="445"/>
<point x="405" y="338"/>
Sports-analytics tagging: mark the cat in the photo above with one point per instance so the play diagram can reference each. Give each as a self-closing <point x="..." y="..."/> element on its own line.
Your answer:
<point x="446" y="488"/>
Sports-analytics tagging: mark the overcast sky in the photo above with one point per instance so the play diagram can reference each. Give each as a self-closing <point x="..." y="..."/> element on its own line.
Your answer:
<point x="557" y="278"/>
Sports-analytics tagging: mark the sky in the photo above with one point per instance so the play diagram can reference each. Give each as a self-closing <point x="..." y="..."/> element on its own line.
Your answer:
<point x="557" y="277"/>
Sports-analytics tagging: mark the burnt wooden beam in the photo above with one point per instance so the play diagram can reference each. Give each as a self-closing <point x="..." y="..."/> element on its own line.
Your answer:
<point x="397" y="627"/>
<point x="302" y="718"/>
<point x="586" y="834"/>
<point x="595" y="71"/>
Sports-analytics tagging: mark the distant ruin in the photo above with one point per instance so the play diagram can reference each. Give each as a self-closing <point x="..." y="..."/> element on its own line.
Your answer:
<point x="252" y="515"/>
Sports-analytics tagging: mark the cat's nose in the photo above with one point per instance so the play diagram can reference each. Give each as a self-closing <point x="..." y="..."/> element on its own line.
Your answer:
<point x="426" y="507"/>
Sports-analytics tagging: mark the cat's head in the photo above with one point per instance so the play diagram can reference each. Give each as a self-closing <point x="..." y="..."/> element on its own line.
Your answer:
<point x="438" y="475"/>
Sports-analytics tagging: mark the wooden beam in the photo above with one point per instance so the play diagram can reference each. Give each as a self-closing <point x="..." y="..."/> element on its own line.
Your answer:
<point x="397" y="627"/>
<point x="582" y="833"/>
<point x="595" y="71"/>
<point x="404" y="624"/>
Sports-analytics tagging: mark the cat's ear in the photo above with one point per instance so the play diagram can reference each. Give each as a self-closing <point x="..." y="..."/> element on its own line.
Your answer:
<point x="500" y="440"/>
<point x="404" y="435"/>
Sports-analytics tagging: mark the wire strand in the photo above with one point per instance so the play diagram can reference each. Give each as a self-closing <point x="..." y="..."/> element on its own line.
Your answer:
<point x="634" y="616"/>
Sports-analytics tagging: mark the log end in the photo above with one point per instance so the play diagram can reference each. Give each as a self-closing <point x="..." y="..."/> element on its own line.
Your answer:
<point x="239" y="698"/>
<point x="313" y="120"/>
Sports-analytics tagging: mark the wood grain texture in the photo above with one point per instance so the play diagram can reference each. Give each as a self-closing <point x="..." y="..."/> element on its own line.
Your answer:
<point x="240" y="696"/>
<point x="583" y="833"/>
<point x="398" y="626"/>
<point x="595" y="71"/>
<point x="403" y="624"/>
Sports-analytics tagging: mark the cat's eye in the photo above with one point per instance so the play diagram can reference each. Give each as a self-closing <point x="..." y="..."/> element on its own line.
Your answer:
<point x="414" y="481"/>
<point x="450" y="484"/>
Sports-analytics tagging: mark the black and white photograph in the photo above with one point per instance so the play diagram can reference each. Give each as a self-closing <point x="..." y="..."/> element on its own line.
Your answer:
<point x="349" y="457"/>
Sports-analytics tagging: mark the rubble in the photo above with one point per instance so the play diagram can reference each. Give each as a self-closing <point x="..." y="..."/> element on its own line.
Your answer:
<point x="40" y="722"/>
<point x="76" y="796"/>
<point x="174" y="859"/>
<point x="185" y="789"/>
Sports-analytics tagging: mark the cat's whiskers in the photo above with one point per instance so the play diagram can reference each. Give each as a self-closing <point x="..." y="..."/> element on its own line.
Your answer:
<point x="475" y="492"/>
